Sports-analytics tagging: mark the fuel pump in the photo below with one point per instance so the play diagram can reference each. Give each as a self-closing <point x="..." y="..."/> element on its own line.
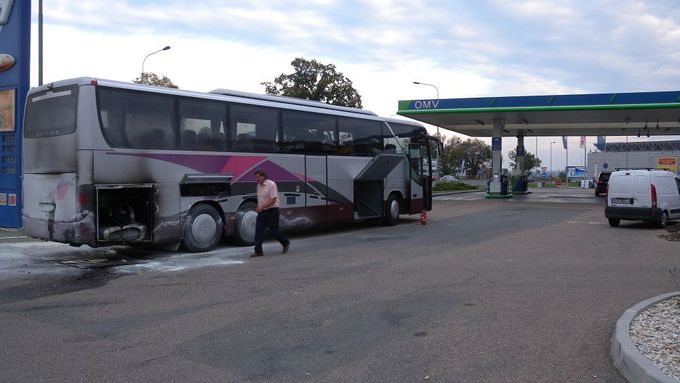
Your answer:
<point x="505" y="182"/>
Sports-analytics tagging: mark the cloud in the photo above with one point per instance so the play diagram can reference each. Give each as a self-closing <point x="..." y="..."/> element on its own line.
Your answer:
<point x="468" y="49"/>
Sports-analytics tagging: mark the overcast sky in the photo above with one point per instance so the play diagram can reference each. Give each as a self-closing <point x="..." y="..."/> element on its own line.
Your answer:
<point x="465" y="48"/>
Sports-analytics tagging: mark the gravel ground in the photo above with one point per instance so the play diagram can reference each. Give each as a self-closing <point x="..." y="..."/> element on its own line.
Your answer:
<point x="656" y="333"/>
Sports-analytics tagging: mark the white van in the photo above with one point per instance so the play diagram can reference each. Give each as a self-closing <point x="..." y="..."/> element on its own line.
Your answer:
<point x="647" y="195"/>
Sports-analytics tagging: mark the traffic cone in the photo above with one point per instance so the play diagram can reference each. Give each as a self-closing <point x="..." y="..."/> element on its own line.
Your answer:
<point x="423" y="217"/>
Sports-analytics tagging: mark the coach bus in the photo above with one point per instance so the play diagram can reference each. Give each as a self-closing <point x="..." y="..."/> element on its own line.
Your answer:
<point x="108" y="163"/>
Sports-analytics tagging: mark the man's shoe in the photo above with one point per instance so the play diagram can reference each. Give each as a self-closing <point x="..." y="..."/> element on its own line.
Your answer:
<point x="256" y="254"/>
<point x="285" y="248"/>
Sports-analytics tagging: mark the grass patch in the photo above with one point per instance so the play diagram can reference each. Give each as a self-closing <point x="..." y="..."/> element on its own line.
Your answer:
<point x="449" y="186"/>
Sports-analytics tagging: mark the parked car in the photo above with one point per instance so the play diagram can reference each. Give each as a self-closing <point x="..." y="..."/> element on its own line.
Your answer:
<point x="449" y="178"/>
<point x="602" y="182"/>
<point x="647" y="195"/>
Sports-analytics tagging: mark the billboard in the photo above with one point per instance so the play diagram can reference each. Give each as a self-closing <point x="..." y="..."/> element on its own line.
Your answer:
<point x="15" y="42"/>
<point x="574" y="172"/>
<point x="667" y="163"/>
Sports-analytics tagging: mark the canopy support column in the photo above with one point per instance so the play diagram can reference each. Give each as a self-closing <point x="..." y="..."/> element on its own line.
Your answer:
<point x="498" y="184"/>
<point x="520" y="183"/>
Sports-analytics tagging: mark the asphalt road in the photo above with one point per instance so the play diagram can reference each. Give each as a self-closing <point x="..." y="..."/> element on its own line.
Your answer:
<point x="521" y="290"/>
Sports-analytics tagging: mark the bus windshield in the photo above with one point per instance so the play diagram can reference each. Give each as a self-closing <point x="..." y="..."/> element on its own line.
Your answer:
<point x="51" y="113"/>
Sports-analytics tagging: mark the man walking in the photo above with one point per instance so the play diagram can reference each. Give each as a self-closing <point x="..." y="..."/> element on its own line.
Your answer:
<point x="267" y="213"/>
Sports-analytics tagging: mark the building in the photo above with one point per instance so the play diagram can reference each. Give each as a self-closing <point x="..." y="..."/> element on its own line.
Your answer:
<point x="631" y="155"/>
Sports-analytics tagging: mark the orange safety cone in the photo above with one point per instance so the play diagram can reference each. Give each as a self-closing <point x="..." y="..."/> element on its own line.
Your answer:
<point x="423" y="217"/>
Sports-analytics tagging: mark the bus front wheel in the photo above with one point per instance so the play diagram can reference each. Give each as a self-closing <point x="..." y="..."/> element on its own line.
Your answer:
<point x="246" y="217"/>
<point x="202" y="229"/>
<point x="392" y="208"/>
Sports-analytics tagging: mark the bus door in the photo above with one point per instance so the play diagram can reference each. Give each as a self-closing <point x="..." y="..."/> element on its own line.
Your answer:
<point x="316" y="188"/>
<point x="420" y="195"/>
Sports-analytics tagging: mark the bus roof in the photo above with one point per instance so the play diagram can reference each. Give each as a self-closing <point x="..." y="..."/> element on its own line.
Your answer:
<point x="290" y="100"/>
<point x="215" y="94"/>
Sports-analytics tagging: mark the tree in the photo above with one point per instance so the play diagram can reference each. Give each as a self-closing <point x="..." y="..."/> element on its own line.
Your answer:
<point x="530" y="161"/>
<point x="477" y="152"/>
<point x="453" y="155"/>
<point x="313" y="80"/>
<point x="151" y="78"/>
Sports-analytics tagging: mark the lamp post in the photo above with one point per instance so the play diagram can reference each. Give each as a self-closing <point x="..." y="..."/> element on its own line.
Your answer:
<point x="147" y="56"/>
<point x="435" y="88"/>
<point x="40" y="43"/>
<point x="551" y="168"/>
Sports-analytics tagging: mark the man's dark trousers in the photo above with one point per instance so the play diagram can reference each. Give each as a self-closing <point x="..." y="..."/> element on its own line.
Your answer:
<point x="268" y="219"/>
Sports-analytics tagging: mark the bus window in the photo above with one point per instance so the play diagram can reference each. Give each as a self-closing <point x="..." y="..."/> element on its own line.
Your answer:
<point x="308" y="133"/>
<point x="366" y="136"/>
<point x="51" y="113"/>
<point x="254" y="128"/>
<point x="202" y="125"/>
<point x="137" y="120"/>
<point x="403" y="134"/>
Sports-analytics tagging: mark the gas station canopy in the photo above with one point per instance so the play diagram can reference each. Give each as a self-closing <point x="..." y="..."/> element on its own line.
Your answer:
<point x="610" y="114"/>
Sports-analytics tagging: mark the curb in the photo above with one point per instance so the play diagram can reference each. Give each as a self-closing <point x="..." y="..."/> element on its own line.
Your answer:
<point x="627" y="358"/>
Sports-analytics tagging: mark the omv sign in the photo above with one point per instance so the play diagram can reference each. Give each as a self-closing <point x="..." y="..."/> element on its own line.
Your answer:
<point x="426" y="104"/>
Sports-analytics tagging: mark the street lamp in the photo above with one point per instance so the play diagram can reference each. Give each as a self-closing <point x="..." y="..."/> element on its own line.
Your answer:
<point x="147" y="56"/>
<point x="435" y="88"/>
<point x="551" y="168"/>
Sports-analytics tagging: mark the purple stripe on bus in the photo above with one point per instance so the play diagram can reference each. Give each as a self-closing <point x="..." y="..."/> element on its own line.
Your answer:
<point x="274" y="172"/>
<point x="242" y="167"/>
<point x="204" y="164"/>
<point x="237" y="165"/>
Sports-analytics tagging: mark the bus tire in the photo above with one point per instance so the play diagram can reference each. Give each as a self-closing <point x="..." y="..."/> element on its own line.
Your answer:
<point x="202" y="229"/>
<point x="392" y="208"/>
<point x="246" y="217"/>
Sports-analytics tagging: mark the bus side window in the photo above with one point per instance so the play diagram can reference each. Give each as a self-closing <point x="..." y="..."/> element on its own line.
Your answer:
<point x="112" y="116"/>
<point x="366" y="135"/>
<point x="308" y="133"/>
<point x="254" y="128"/>
<point x="202" y="125"/>
<point x="148" y="120"/>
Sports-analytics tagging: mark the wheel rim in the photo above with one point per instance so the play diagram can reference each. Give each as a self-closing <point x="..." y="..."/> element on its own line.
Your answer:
<point x="203" y="229"/>
<point x="394" y="209"/>
<point x="247" y="225"/>
<point x="664" y="219"/>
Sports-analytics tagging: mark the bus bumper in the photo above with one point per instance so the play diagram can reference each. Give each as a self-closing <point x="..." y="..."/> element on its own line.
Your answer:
<point x="77" y="232"/>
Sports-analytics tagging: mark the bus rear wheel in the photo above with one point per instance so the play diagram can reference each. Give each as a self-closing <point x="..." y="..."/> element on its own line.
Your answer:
<point x="392" y="209"/>
<point x="202" y="228"/>
<point x="246" y="217"/>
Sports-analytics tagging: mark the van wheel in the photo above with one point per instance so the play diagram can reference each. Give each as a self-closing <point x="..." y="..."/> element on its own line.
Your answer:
<point x="663" y="221"/>
<point x="246" y="217"/>
<point x="614" y="222"/>
<point x="392" y="208"/>
<point x="202" y="228"/>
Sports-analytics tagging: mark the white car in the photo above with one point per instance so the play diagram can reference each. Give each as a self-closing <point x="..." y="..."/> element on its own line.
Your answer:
<point x="647" y="195"/>
<point x="448" y="178"/>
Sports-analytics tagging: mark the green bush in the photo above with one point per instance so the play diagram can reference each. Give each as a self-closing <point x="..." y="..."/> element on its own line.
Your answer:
<point x="447" y="186"/>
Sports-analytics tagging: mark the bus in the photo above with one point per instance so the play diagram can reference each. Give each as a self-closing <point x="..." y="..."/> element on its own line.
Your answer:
<point x="111" y="163"/>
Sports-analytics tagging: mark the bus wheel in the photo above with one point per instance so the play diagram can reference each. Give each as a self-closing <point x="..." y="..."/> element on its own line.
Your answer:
<point x="246" y="216"/>
<point x="391" y="215"/>
<point x="202" y="229"/>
